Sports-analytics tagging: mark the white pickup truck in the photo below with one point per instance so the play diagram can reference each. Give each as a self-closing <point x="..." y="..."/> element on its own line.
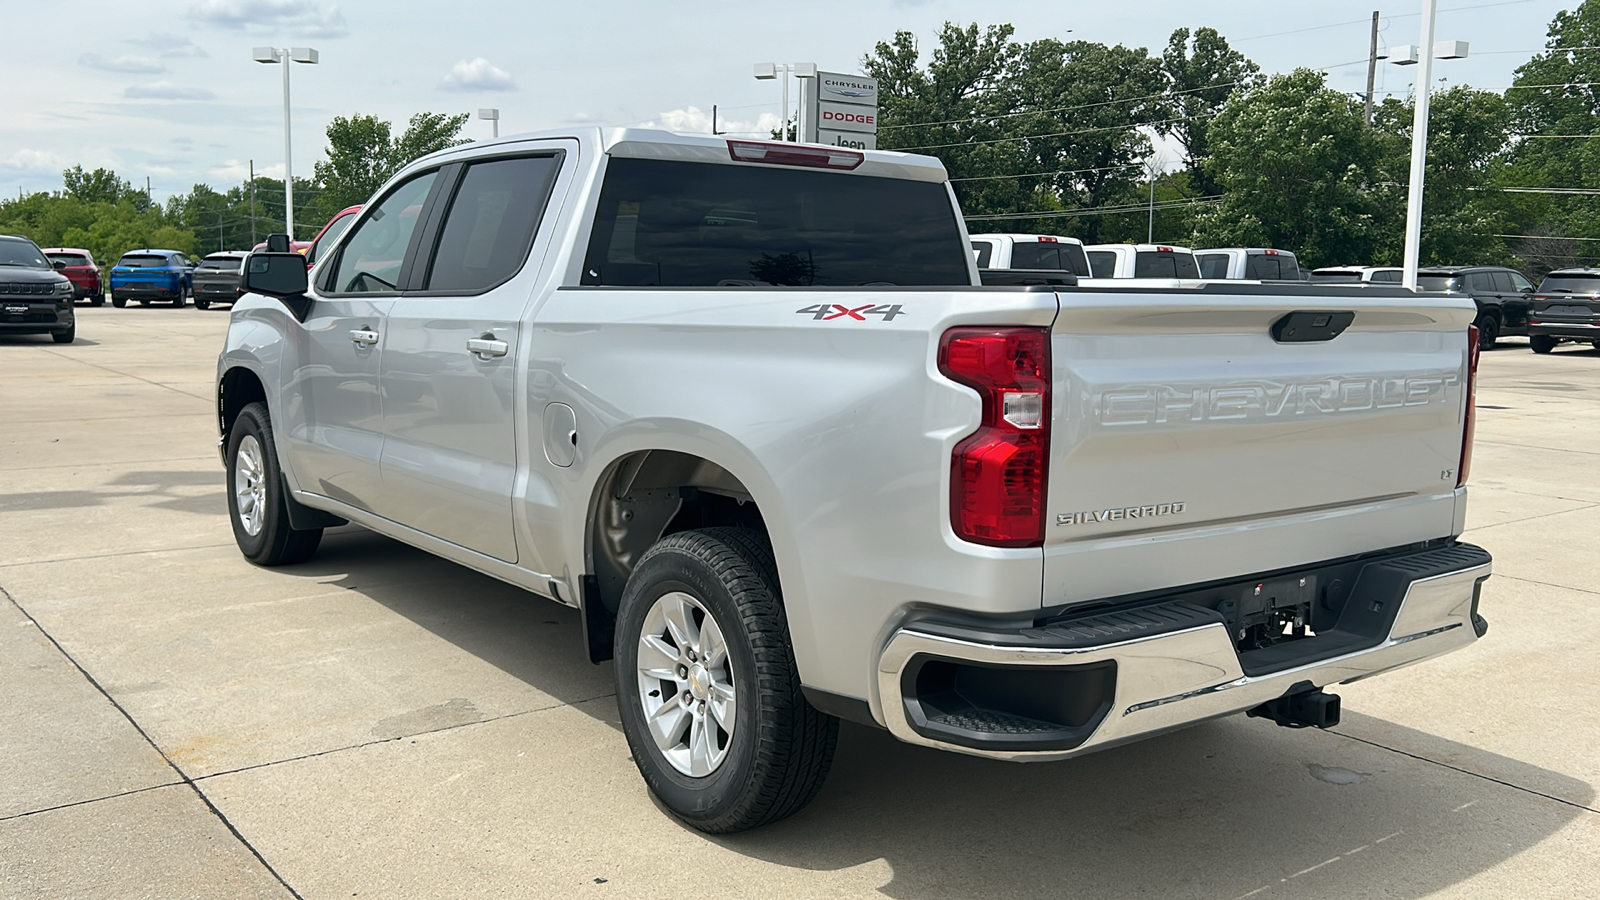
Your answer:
<point x="1141" y="261"/>
<point x="746" y="406"/>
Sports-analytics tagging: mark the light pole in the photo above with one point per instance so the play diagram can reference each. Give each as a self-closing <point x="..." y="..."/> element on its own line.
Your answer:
<point x="1410" y="56"/>
<point x="273" y="55"/>
<point x="493" y="115"/>
<point x="769" y="71"/>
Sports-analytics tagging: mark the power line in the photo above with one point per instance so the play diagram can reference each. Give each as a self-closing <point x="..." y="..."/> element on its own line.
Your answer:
<point x="1545" y="237"/>
<point x="1056" y="109"/>
<point x="1098" y="210"/>
<point x="1367" y="21"/>
<point x="1033" y="137"/>
<point x="1056" y="172"/>
<point x="1583" y="192"/>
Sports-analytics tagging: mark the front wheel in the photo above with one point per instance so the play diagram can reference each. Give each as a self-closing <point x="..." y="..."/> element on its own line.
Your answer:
<point x="65" y="337"/>
<point x="707" y="686"/>
<point x="256" y="503"/>
<point x="1542" y="343"/>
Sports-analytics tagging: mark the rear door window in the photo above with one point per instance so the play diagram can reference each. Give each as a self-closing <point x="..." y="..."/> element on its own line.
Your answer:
<point x="489" y="227"/>
<point x="371" y="261"/>
<point x="695" y="224"/>
<point x="1480" y="283"/>
<point x="1103" y="263"/>
<point x="1502" y="282"/>
<point x="1213" y="265"/>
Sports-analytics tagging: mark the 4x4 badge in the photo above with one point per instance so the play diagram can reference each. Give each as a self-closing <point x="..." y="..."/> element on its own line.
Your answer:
<point x="825" y="312"/>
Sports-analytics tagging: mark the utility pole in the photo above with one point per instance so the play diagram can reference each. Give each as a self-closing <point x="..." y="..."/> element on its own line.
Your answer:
<point x="252" y="204"/>
<point x="1372" y="66"/>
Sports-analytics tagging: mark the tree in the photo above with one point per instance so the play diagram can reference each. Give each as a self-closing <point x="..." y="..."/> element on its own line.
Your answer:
<point x="1295" y="159"/>
<point x="99" y="186"/>
<point x="363" y="153"/>
<point x="1202" y="75"/>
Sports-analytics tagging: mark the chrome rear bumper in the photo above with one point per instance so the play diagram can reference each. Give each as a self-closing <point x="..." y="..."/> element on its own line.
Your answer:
<point x="1180" y="677"/>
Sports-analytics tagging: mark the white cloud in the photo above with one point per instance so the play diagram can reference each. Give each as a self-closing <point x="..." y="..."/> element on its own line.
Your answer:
<point x="137" y="65"/>
<point x="306" y="17"/>
<point x="34" y="161"/>
<point x="239" y="170"/>
<point x="163" y="90"/>
<point x="171" y="46"/>
<point x="477" y="75"/>
<point x="694" y="120"/>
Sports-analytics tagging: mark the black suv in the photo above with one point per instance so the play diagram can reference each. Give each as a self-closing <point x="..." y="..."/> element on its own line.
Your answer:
<point x="35" y="298"/>
<point x="1502" y="296"/>
<point x="1565" y="308"/>
<point x="216" y="279"/>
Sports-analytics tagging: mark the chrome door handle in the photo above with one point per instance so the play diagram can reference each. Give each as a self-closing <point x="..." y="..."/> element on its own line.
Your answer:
<point x="364" y="336"/>
<point x="487" y="348"/>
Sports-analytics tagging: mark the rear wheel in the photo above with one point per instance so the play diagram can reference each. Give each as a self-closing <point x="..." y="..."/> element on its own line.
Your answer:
<point x="256" y="503"/>
<point x="1542" y="343"/>
<point x="707" y="685"/>
<point x="97" y="299"/>
<point x="118" y="302"/>
<point x="201" y="304"/>
<point x="1488" y="330"/>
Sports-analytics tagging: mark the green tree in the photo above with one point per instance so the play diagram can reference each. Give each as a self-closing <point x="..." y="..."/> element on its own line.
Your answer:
<point x="1296" y="161"/>
<point x="1202" y="73"/>
<point x="363" y="153"/>
<point x="99" y="186"/>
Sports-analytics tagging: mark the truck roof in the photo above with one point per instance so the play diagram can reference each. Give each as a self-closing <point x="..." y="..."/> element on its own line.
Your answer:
<point x="1028" y="238"/>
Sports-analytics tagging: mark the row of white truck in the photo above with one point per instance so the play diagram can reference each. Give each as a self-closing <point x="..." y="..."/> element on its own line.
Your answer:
<point x="1044" y="252"/>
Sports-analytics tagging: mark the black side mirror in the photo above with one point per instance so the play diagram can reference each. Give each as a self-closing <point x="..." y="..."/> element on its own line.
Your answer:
<point x="57" y="264"/>
<point x="275" y="274"/>
<point x="277" y="243"/>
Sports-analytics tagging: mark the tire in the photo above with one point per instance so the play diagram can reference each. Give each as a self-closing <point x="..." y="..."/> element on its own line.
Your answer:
<point x="118" y="302"/>
<point x="1542" y="343"/>
<point x="97" y="300"/>
<point x="178" y="303"/>
<point x="202" y="304"/>
<point x="65" y="337"/>
<point x="1488" y="330"/>
<point x="778" y="750"/>
<point x="253" y="474"/>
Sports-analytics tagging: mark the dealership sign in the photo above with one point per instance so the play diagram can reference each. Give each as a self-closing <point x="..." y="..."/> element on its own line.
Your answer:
<point x="841" y="110"/>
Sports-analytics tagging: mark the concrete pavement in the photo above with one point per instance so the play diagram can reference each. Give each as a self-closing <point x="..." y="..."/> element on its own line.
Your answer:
<point x="177" y="723"/>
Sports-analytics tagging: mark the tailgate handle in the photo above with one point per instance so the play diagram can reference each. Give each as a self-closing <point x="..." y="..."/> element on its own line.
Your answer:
<point x="1302" y="326"/>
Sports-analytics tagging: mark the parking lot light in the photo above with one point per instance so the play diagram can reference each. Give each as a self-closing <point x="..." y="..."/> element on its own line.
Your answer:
<point x="276" y="56"/>
<point x="493" y="115"/>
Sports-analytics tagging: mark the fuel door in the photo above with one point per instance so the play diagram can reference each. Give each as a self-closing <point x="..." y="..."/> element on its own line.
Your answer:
<point x="560" y="434"/>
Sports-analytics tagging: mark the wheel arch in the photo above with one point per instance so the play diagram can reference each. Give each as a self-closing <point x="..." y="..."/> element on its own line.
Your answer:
<point x="238" y="387"/>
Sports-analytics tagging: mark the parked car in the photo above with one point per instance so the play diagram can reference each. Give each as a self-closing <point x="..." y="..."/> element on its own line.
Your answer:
<point x="35" y="297"/>
<point x="1141" y="261"/>
<point x="1039" y="252"/>
<point x="216" y="278"/>
<point x="1248" y="264"/>
<point x="80" y="268"/>
<point x="1501" y="294"/>
<point x="330" y="233"/>
<point x="1566" y="307"/>
<point x="300" y="247"/>
<point x="149" y="275"/>
<point x="1357" y="275"/>
<point x="783" y="486"/>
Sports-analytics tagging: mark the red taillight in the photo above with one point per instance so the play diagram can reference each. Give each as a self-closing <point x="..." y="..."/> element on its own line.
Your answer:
<point x="1046" y="239"/>
<point x="998" y="473"/>
<point x="1470" y="427"/>
<point x="794" y="155"/>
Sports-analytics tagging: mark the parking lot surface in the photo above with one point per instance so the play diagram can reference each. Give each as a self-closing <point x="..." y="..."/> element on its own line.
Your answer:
<point x="381" y="723"/>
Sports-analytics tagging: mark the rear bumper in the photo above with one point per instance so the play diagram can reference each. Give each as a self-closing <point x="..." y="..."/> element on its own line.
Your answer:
<point x="1111" y="678"/>
<point x="1582" y="331"/>
<point x="137" y="291"/>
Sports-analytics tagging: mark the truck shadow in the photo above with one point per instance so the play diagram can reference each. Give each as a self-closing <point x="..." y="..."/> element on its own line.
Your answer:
<point x="1229" y="809"/>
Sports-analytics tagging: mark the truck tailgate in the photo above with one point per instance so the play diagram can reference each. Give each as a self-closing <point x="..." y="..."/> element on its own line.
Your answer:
<point x="1188" y="444"/>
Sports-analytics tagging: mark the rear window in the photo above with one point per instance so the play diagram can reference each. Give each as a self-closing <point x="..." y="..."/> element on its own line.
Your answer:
<point x="1066" y="257"/>
<point x="984" y="251"/>
<point x="689" y="224"/>
<point x="1103" y="263"/>
<point x="1335" y="276"/>
<point x="1164" y="264"/>
<point x="1426" y="282"/>
<point x="1570" y="283"/>
<point x="1277" y="267"/>
<point x="1388" y="277"/>
<point x="1213" y="265"/>
<point x="219" y="264"/>
<point x="142" y="261"/>
<point x="69" y="259"/>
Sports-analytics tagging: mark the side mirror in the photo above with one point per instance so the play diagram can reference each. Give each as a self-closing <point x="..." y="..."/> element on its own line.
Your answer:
<point x="275" y="274"/>
<point x="57" y="264"/>
<point x="277" y="243"/>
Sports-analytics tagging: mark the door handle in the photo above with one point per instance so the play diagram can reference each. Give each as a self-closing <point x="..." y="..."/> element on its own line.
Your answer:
<point x="365" y="337"/>
<point x="487" y="347"/>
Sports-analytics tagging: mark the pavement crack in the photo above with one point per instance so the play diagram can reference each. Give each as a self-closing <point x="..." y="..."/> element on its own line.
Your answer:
<point x="1565" y="587"/>
<point x="129" y="375"/>
<point x="129" y="793"/>
<point x="61" y="559"/>
<point x="1468" y="772"/>
<point x="183" y="776"/>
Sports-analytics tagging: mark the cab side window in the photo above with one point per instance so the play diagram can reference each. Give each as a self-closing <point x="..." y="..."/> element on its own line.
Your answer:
<point x="491" y="223"/>
<point x="371" y="260"/>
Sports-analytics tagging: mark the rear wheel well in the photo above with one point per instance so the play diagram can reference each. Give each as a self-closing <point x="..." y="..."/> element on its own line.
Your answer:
<point x="239" y="388"/>
<point x="644" y="497"/>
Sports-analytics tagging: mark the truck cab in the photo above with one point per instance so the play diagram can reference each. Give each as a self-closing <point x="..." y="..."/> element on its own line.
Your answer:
<point x="1248" y="264"/>
<point x="1039" y="252"/>
<point x="1163" y="261"/>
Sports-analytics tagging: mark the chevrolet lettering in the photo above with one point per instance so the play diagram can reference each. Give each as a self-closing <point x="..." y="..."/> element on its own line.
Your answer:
<point x="749" y="409"/>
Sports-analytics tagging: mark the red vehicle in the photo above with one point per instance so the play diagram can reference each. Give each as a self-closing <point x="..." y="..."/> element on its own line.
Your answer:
<point x="80" y="269"/>
<point x="330" y="233"/>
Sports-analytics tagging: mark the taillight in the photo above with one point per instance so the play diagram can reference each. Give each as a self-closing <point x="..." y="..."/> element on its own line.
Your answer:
<point x="998" y="473"/>
<point x="1470" y="427"/>
<point x="794" y="155"/>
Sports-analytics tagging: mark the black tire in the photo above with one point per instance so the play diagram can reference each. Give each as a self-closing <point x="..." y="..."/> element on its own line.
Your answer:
<point x="1595" y="344"/>
<point x="179" y="302"/>
<point x="1488" y="330"/>
<point x="781" y="747"/>
<point x="202" y="304"/>
<point x="1542" y="343"/>
<point x="65" y="337"/>
<point x="97" y="300"/>
<point x="118" y="302"/>
<point x="276" y="543"/>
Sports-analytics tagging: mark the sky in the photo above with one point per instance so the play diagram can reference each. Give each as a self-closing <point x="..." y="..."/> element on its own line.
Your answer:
<point x="168" y="90"/>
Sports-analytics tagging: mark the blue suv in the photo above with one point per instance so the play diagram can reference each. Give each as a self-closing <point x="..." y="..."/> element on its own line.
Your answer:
<point x="146" y="275"/>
